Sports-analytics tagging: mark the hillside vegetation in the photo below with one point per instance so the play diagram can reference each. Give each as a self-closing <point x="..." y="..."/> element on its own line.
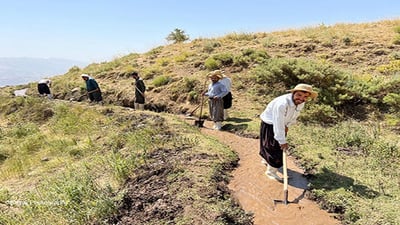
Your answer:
<point x="67" y="162"/>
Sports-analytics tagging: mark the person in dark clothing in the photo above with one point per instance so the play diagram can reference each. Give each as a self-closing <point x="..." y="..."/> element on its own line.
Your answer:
<point x="140" y="89"/>
<point x="92" y="88"/>
<point x="44" y="87"/>
<point x="278" y="116"/>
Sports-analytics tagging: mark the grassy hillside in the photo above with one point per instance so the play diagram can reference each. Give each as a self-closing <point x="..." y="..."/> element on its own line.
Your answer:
<point x="347" y="140"/>
<point x="68" y="163"/>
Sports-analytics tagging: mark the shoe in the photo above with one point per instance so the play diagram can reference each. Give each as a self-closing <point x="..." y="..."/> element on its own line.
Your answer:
<point x="217" y="126"/>
<point x="271" y="173"/>
<point x="263" y="161"/>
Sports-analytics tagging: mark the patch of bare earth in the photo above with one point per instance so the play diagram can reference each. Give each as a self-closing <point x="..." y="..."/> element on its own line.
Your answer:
<point x="256" y="193"/>
<point x="147" y="196"/>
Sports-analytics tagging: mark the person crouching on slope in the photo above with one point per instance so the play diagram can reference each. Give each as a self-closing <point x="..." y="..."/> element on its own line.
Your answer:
<point x="92" y="88"/>
<point x="279" y="115"/>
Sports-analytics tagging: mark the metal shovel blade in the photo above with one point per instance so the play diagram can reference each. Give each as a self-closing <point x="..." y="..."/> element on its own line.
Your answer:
<point x="199" y="123"/>
<point x="285" y="199"/>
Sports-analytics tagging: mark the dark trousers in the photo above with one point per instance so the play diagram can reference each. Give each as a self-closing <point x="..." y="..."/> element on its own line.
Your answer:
<point x="270" y="149"/>
<point x="95" y="96"/>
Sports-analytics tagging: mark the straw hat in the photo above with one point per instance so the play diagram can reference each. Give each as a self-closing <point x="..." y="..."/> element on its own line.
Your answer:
<point x="306" y="88"/>
<point x="85" y="75"/>
<point x="215" y="73"/>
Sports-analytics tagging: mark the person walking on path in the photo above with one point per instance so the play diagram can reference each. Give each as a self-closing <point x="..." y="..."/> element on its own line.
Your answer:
<point x="216" y="91"/>
<point x="92" y="88"/>
<point x="140" y="89"/>
<point x="227" y="81"/>
<point x="44" y="88"/>
<point x="278" y="116"/>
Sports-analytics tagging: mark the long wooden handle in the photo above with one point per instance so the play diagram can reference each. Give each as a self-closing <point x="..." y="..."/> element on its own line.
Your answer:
<point x="285" y="175"/>
<point x="285" y="179"/>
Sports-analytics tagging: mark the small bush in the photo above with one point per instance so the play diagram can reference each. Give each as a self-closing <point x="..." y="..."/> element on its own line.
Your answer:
<point x="212" y="64"/>
<point x="161" y="80"/>
<point x="155" y="51"/>
<point x="240" y="37"/>
<point x="319" y="113"/>
<point x="397" y="29"/>
<point x="209" y="46"/>
<point x="226" y="59"/>
<point x="396" y="40"/>
<point x="347" y="41"/>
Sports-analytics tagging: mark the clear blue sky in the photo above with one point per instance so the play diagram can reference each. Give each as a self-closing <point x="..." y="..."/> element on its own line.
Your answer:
<point x="98" y="30"/>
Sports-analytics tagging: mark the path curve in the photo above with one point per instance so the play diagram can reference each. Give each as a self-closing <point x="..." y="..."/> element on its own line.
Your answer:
<point x="256" y="193"/>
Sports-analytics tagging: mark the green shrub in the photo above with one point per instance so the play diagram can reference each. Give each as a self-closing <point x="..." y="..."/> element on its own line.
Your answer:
<point x="155" y="51"/>
<point x="315" y="112"/>
<point x="352" y="136"/>
<point x="150" y="72"/>
<point x="218" y="61"/>
<point x="393" y="101"/>
<point x="395" y="55"/>
<point x="251" y="56"/>
<point x="212" y="64"/>
<point x="396" y="40"/>
<point x="334" y="86"/>
<point x="209" y="46"/>
<point x="347" y="40"/>
<point x="226" y="59"/>
<point x="240" y="36"/>
<point x="161" y="80"/>
<point x="242" y="60"/>
<point x="397" y="29"/>
<point x="181" y="57"/>
<point x="177" y="36"/>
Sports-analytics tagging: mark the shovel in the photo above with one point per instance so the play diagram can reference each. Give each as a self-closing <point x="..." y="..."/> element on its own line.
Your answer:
<point x="285" y="183"/>
<point x="200" y="122"/>
<point x="194" y="110"/>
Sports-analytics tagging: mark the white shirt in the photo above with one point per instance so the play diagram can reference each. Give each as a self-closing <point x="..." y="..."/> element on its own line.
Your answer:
<point x="216" y="89"/>
<point x="281" y="112"/>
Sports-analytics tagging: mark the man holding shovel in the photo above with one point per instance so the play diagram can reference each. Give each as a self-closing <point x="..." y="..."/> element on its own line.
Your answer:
<point x="92" y="88"/>
<point x="276" y="119"/>
<point x="216" y="91"/>
<point x="140" y="88"/>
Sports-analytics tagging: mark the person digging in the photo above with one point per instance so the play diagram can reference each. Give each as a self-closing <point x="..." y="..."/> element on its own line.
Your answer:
<point x="278" y="116"/>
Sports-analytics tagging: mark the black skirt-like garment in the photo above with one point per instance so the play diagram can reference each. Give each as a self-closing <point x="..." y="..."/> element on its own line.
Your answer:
<point x="43" y="89"/>
<point x="270" y="148"/>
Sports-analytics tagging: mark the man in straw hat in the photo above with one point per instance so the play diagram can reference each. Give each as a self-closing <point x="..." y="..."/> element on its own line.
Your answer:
<point x="276" y="119"/>
<point x="216" y="91"/>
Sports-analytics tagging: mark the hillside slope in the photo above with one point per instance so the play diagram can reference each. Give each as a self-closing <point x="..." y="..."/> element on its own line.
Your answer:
<point x="346" y="141"/>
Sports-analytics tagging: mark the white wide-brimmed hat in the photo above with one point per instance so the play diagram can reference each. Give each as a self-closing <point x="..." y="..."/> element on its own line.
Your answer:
<point x="306" y="88"/>
<point x="215" y="73"/>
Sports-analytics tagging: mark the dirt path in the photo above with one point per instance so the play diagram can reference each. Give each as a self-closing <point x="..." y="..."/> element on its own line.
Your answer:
<point x="255" y="192"/>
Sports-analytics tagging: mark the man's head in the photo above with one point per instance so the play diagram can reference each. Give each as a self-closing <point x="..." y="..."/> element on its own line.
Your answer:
<point x="85" y="77"/>
<point x="135" y="75"/>
<point x="302" y="92"/>
<point x="215" y="75"/>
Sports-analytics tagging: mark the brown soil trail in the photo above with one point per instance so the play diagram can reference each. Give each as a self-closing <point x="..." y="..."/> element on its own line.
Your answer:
<point x="256" y="193"/>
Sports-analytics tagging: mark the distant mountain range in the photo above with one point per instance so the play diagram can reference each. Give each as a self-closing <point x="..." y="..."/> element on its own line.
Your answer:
<point x="14" y="71"/>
